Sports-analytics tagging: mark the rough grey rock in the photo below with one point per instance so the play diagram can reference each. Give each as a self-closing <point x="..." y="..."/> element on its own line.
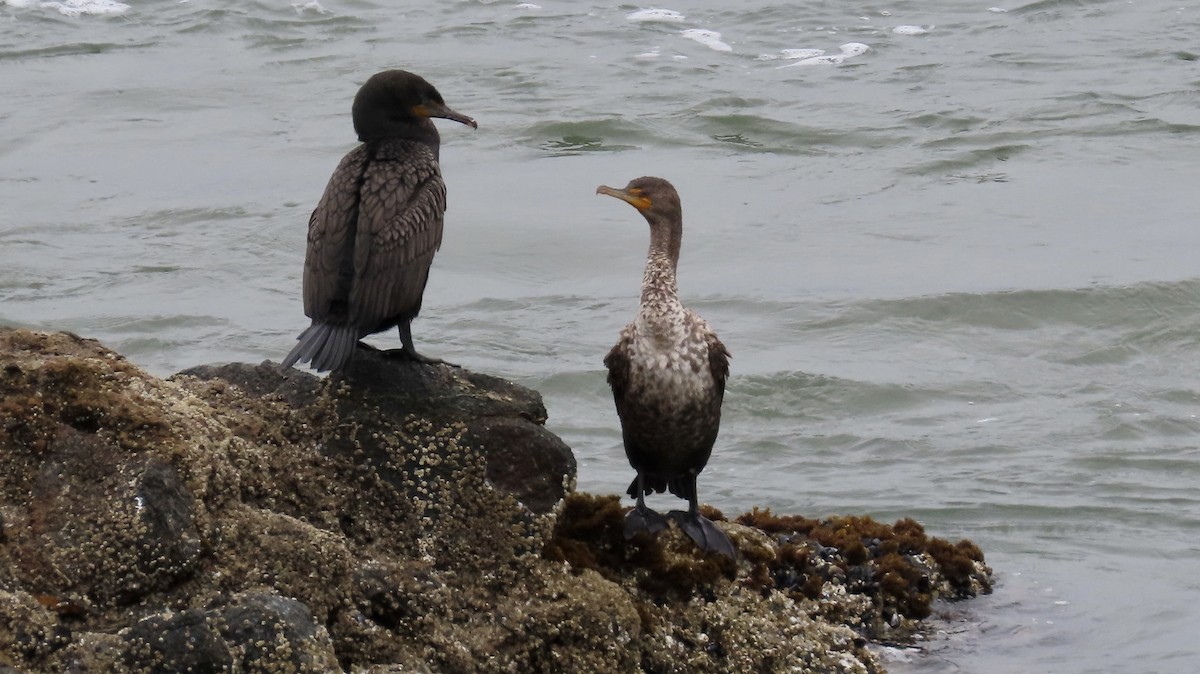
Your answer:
<point x="503" y="420"/>
<point x="258" y="632"/>
<point x="186" y="641"/>
<point x="84" y="485"/>
<point x="400" y="518"/>
<point x="276" y="634"/>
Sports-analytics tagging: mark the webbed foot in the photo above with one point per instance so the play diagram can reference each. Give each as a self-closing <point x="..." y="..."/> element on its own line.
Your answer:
<point x="415" y="357"/>
<point x="706" y="534"/>
<point x="410" y="352"/>
<point x="643" y="519"/>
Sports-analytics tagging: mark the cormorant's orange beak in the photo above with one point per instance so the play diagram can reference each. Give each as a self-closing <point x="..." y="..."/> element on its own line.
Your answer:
<point x="443" y="111"/>
<point x="636" y="200"/>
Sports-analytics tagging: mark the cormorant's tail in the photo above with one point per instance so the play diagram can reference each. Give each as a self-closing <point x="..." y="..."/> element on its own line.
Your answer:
<point x="324" y="346"/>
<point x="654" y="486"/>
<point x="684" y="487"/>
<point x="633" y="489"/>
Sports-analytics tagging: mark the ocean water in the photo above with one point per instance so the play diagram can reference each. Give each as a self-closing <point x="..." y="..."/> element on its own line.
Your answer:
<point x="952" y="246"/>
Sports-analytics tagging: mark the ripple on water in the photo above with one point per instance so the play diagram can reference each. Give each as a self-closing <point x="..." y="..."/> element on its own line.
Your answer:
<point x="1136" y="306"/>
<point x="800" y="394"/>
<point x="560" y="139"/>
<point x="73" y="49"/>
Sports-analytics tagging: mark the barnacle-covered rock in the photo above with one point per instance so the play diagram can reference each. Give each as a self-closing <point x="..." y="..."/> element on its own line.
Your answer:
<point x="402" y="517"/>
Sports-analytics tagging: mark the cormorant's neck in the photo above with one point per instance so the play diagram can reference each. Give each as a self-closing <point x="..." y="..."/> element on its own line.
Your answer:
<point x="658" y="281"/>
<point x="419" y="129"/>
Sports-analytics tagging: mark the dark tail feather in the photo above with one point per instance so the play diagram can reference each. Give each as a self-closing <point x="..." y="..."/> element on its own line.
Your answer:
<point x="325" y="347"/>
<point x="684" y="487"/>
<point x="652" y="486"/>
<point x="633" y="489"/>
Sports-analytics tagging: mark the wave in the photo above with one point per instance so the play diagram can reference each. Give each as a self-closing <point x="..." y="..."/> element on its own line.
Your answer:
<point x="1135" y="305"/>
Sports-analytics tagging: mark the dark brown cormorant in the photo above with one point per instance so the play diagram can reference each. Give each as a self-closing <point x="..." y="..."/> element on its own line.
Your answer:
<point x="372" y="237"/>
<point x="667" y="374"/>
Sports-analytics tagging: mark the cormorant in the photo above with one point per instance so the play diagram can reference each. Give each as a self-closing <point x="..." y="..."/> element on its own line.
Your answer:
<point x="372" y="236"/>
<point x="667" y="373"/>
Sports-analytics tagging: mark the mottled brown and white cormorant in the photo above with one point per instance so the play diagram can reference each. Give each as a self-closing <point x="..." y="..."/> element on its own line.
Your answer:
<point x="372" y="236"/>
<point x="667" y="373"/>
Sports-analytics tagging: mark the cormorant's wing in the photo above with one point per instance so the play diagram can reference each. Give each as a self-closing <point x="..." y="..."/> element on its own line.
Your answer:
<point x="617" y="362"/>
<point x="718" y="355"/>
<point x="402" y="201"/>
<point x="328" y="270"/>
<point x="632" y="418"/>
<point x="718" y="360"/>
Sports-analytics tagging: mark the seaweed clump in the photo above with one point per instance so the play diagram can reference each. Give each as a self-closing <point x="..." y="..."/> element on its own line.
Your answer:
<point x="900" y="567"/>
<point x="896" y="570"/>
<point x="590" y="535"/>
<point x="702" y="612"/>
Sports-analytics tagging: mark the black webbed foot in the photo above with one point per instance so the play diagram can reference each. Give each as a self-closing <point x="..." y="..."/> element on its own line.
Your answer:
<point x="410" y="352"/>
<point x="415" y="357"/>
<point x="643" y="519"/>
<point x="706" y="534"/>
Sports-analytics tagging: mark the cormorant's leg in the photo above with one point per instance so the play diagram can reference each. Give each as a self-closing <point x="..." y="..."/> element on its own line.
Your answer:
<point x="702" y="530"/>
<point x="410" y="352"/>
<point x="642" y="518"/>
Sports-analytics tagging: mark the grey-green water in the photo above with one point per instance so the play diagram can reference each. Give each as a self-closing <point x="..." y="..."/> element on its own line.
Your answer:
<point x="958" y="272"/>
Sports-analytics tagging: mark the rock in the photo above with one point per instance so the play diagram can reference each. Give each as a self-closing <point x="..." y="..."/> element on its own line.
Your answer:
<point x="187" y="641"/>
<point x="525" y="460"/>
<point x="296" y="387"/>
<point x="258" y="632"/>
<point x="28" y="630"/>
<point x="94" y="653"/>
<point x="120" y="526"/>
<point x="381" y="392"/>
<point x="276" y="634"/>
<point x="402" y="517"/>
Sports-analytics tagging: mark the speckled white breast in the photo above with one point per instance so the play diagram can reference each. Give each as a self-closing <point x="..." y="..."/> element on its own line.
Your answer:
<point x="669" y="357"/>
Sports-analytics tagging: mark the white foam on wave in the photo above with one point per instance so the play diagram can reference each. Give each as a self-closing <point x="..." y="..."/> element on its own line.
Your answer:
<point x="912" y="30"/>
<point x="656" y="53"/>
<point x="849" y="50"/>
<point x="655" y="15"/>
<point x="708" y="38"/>
<point x="997" y="10"/>
<point x="854" y="49"/>
<point x="801" y="53"/>
<point x="829" y="60"/>
<point x="791" y="54"/>
<point x="527" y="5"/>
<point x="77" y="7"/>
<point x="314" y="7"/>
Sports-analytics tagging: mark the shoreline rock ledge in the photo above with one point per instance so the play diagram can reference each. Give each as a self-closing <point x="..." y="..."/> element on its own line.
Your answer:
<point x="238" y="518"/>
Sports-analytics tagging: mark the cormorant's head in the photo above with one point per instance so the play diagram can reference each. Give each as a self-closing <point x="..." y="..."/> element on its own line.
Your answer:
<point x="398" y="104"/>
<point x="655" y="198"/>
